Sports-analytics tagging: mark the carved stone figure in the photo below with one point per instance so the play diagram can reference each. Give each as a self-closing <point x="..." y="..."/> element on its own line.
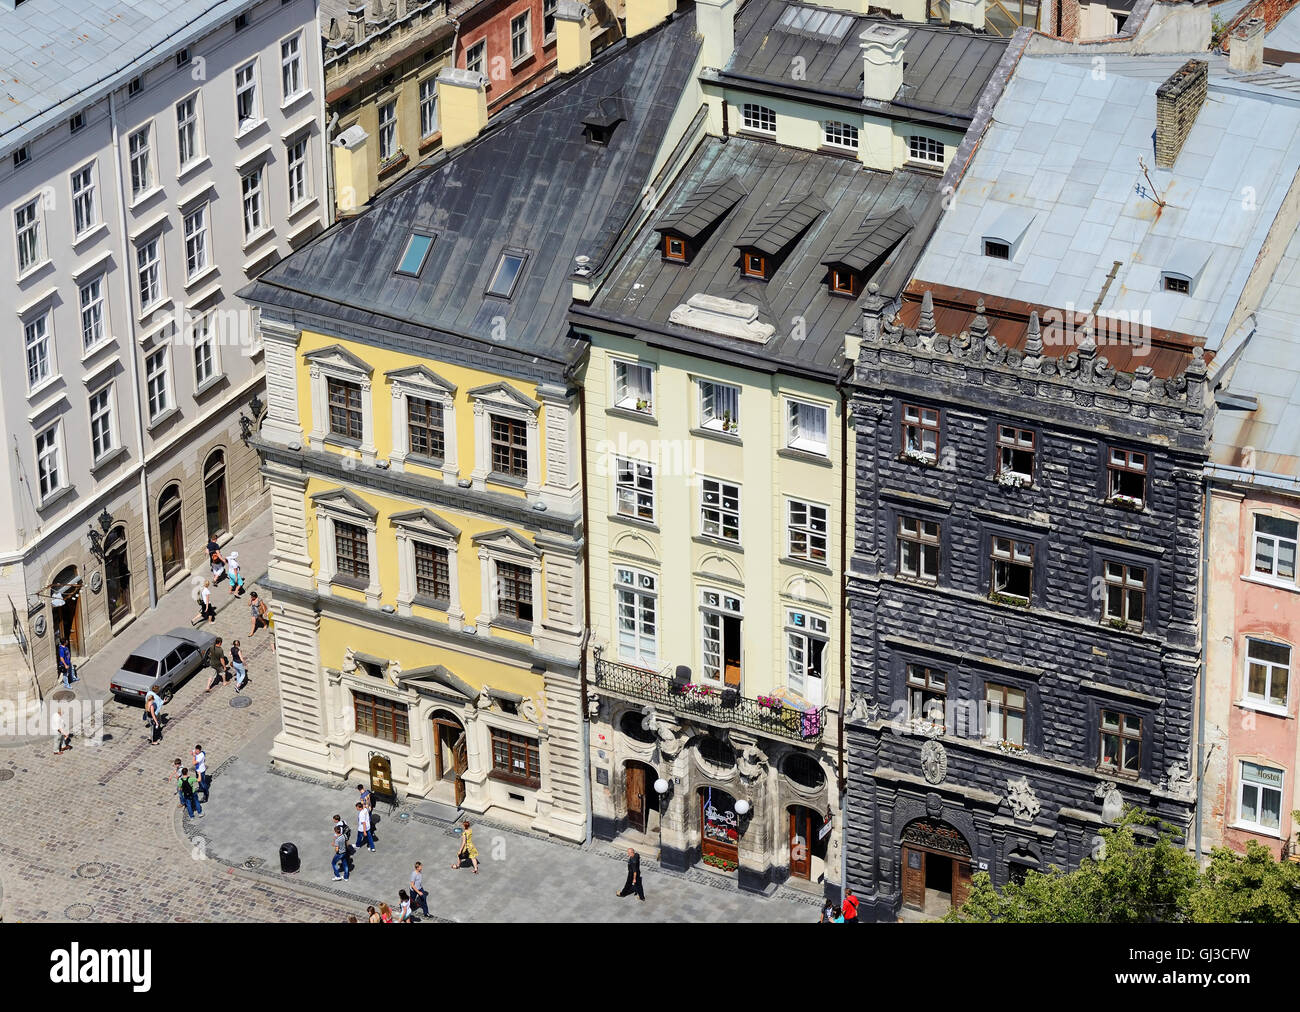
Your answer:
<point x="1179" y="781"/>
<point x="670" y="742"/>
<point x="1022" y="799"/>
<point x="934" y="762"/>
<point x="484" y="700"/>
<point x="1112" y="802"/>
<point x="860" y="710"/>
<point x="751" y="762"/>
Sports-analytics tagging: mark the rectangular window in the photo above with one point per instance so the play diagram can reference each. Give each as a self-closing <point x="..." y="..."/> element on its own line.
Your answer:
<point x="925" y="149"/>
<point x="805" y="658"/>
<point x="918" y="548"/>
<point x="844" y="282"/>
<point x="429" y="107"/>
<point x="345" y="409"/>
<point x="720" y="509"/>
<point x="141" y="161"/>
<point x="205" y="352"/>
<point x="1176" y="284"/>
<point x="148" y="268"/>
<point x="247" y="108"/>
<point x="155" y="370"/>
<point x="1275" y="548"/>
<point x="1260" y="797"/>
<point x="424" y="426"/>
<point x="921" y="432"/>
<point x="997" y="250"/>
<point x="806" y="531"/>
<point x="1016" y="453"/>
<point x="719" y="406"/>
<point x="187" y="130"/>
<point x="516" y="758"/>
<point x="84" y="213"/>
<point x="635" y="489"/>
<point x="509" y="446"/>
<point x="840" y="135"/>
<point x="476" y="56"/>
<point x="514" y="591"/>
<point x="27" y="226"/>
<point x="77" y="121"/>
<point x="758" y="117"/>
<point x="413" y="257"/>
<point x="296" y="163"/>
<point x="196" y="242"/>
<point x="507" y="273"/>
<point x="49" y="461"/>
<point x="91" y="298"/>
<point x="432" y="571"/>
<point x="1268" y="672"/>
<point x="291" y="66"/>
<point x="807" y="427"/>
<point x="381" y="718"/>
<point x="252" y="191"/>
<point x="1004" y="714"/>
<point x="1126" y="592"/>
<point x="351" y="551"/>
<point x="927" y="694"/>
<point x="1013" y="568"/>
<point x="1127" y="472"/>
<point x="632" y="386"/>
<point x="22" y="156"/>
<point x="674" y="249"/>
<point x="638" y="627"/>
<point x="754" y="265"/>
<point x="1121" y="742"/>
<point x="521" y="36"/>
<point x="36" y="338"/>
<point x="101" y="422"/>
<point x="387" y="130"/>
<point x="183" y="58"/>
<point x="133" y="87"/>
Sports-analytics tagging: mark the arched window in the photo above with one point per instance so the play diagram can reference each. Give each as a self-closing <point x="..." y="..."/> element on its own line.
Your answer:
<point x="214" y="493"/>
<point x="170" y="533"/>
<point x="117" y="574"/>
<point x="804" y="771"/>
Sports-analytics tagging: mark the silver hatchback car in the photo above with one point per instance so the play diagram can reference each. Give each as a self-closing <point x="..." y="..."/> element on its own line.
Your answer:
<point x="165" y="660"/>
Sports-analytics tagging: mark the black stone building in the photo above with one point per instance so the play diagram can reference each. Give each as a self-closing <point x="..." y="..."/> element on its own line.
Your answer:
<point x="1023" y="595"/>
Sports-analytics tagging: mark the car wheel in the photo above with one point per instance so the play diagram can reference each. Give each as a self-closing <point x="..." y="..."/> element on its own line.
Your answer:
<point x="167" y="695"/>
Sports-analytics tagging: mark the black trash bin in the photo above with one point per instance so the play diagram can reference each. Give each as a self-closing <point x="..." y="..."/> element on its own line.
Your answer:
<point x="288" y="858"/>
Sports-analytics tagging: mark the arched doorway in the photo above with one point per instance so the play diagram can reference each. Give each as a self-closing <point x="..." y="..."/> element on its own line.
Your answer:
<point x="719" y="829"/>
<point x="117" y="575"/>
<point x="936" y="866"/>
<point x="67" y="616"/>
<point x="807" y="843"/>
<point x="214" y="493"/>
<point x="450" y="753"/>
<point x="170" y="533"/>
<point x="640" y="797"/>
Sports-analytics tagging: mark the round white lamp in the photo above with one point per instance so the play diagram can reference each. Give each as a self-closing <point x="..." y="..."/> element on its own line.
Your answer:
<point x="742" y="807"/>
<point x="661" y="786"/>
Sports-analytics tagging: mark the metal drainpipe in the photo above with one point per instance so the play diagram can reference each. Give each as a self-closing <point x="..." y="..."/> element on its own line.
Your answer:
<point x="1200" y="695"/>
<point x="133" y="356"/>
<point x="844" y="627"/>
<point x="586" y="613"/>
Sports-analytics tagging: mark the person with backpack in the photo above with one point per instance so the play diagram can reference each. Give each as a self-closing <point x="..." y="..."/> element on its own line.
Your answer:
<point x="850" y="907"/>
<point x="190" y="794"/>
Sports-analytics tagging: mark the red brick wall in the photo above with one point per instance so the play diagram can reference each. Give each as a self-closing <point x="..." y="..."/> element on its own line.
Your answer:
<point x="1060" y="18"/>
<point x="1272" y="11"/>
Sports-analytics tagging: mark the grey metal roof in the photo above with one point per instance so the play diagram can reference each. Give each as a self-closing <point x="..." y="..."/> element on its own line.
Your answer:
<point x="531" y="183"/>
<point x="645" y="289"/>
<point x="870" y="240"/>
<point x="1064" y="145"/>
<point x="56" y="57"/>
<point x="700" y="210"/>
<point x="944" y="68"/>
<point x="774" y="228"/>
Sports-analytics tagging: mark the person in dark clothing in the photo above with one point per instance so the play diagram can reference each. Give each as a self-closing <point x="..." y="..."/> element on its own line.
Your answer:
<point x="633" y="883"/>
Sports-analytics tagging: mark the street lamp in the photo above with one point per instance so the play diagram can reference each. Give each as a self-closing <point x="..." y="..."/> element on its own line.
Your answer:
<point x="742" y="807"/>
<point x="97" y="537"/>
<point x="661" y="788"/>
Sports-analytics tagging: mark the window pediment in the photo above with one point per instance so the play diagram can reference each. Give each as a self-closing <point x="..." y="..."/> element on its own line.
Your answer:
<point x="504" y="395"/>
<point x="338" y="359"/>
<point x="425" y="521"/>
<point x="438" y="674"/>
<point x="420" y="378"/>
<point x="344" y="502"/>
<point x="507" y="542"/>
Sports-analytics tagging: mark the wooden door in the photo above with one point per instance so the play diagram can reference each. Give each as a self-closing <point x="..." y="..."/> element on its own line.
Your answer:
<point x="635" y="791"/>
<point x="914" y="877"/>
<point x="801" y="830"/>
<point x="461" y="764"/>
<point x="731" y="647"/>
<point x="960" y="881"/>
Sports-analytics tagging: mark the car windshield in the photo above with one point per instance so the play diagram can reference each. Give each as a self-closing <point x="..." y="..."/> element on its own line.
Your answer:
<point x="139" y="665"/>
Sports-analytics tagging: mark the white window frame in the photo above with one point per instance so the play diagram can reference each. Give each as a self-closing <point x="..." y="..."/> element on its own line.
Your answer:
<point x="328" y="513"/>
<point x="297" y="163"/>
<point x="103" y="423"/>
<point x="189" y="122"/>
<point x="97" y="308"/>
<point x="140" y="161"/>
<point x="794" y="438"/>
<point x="711" y="393"/>
<point x="320" y="371"/>
<point x="1276" y="541"/>
<point x="1265" y="702"/>
<point x="636" y="595"/>
<point x="158" y="393"/>
<point x="722" y="484"/>
<point x="801" y="627"/>
<point x="628" y="391"/>
<point x="520" y="53"/>
<point x="29" y="221"/>
<point x="51" y="453"/>
<point x="428" y="107"/>
<point x="203" y="340"/>
<point x="252" y="202"/>
<point x="808" y="529"/>
<point x="249" y="87"/>
<point x="925" y="150"/>
<point x="715" y="605"/>
<point x="291" y="67"/>
<point x="497" y="404"/>
<point x="757" y="117"/>
<point x="491" y="553"/>
<point x="418" y="527"/>
<point x="196" y="241"/>
<point x="411" y="383"/>
<point x="476" y="56"/>
<point x="85" y="208"/>
<point x="38" y="338"/>
<point x="1260" y="787"/>
<point x="838" y="134"/>
<point x="642" y="483"/>
<point x="388" y="130"/>
<point x="153" y="268"/>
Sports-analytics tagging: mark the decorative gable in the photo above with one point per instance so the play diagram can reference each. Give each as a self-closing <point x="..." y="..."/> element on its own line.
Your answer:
<point x="425" y="520"/>
<point x="505" y="395"/>
<point x="338" y="359"/>
<point x="342" y="501"/>
<point x="508" y="542"/>
<point x="420" y="376"/>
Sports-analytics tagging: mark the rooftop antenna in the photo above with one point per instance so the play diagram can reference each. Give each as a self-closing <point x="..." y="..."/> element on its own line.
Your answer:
<point x="1141" y="192"/>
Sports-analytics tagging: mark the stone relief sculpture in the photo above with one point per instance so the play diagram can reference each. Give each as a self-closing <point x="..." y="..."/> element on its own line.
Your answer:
<point x="1112" y="802"/>
<point x="670" y="742"/>
<point x="484" y="700"/>
<point x="1022" y="799"/>
<point x="934" y="762"/>
<point x="752" y="762"/>
<point x="1179" y="781"/>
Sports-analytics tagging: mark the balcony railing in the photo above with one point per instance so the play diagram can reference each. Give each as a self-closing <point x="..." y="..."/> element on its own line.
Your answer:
<point x="773" y="717"/>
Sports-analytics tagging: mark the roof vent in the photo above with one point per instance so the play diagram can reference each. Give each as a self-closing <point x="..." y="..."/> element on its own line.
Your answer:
<point x="1178" y="101"/>
<point x="722" y="316"/>
<point x="582" y="266"/>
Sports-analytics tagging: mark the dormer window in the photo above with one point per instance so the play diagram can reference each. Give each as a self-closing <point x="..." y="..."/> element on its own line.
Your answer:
<point x="1175" y="283"/>
<point x="1002" y="236"/>
<point x="844" y="282"/>
<point x="997" y="250"/>
<point x="754" y="265"/>
<point x="675" y="249"/>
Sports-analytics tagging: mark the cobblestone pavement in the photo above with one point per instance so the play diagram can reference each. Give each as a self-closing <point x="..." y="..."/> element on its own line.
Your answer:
<point x="97" y="835"/>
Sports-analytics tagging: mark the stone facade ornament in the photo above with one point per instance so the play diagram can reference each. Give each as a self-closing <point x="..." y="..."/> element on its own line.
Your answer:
<point x="593" y="707"/>
<point x="1179" y="781"/>
<point x="933" y="805"/>
<point x="1022" y="799"/>
<point x="528" y="710"/>
<point x="670" y="742"/>
<point x="38" y="625"/>
<point x="484" y="700"/>
<point x="934" y="762"/>
<point x="752" y="762"/>
<point x="1112" y="802"/>
<point x="96" y="582"/>
<point x="860" y="710"/>
<point x="649" y="722"/>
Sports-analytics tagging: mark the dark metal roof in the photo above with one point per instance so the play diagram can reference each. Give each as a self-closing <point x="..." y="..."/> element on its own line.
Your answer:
<point x="645" y="289"/>
<point x="775" y="228"/>
<point x="870" y="240"/>
<point x="944" y="67"/>
<point x="531" y="182"/>
<point x="701" y="209"/>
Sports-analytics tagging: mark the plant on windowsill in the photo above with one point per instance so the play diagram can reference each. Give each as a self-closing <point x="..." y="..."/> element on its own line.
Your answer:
<point x="1010" y="747"/>
<point x="1128" y="502"/>
<point x="1010" y="479"/>
<point x="392" y="161"/>
<point x="1008" y="599"/>
<point x="915" y="456"/>
<point x="728" y="424"/>
<point x="1117" y="623"/>
<point x="642" y="404"/>
<point x="720" y="862"/>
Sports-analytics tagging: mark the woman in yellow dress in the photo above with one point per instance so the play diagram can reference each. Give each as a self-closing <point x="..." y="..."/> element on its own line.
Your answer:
<point x="467" y="848"/>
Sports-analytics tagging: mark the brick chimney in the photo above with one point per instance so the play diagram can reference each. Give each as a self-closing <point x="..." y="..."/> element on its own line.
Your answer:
<point x="1178" y="101"/>
<point x="462" y="105"/>
<point x="716" y="20"/>
<point x="1246" y="50"/>
<point x="882" y="61"/>
<point x="572" y="36"/>
<point x="642" y="15"/>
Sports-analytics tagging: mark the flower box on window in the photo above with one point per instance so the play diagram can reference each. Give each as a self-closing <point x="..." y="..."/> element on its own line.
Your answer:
<point x="1010" y="479"/>
<point x="1008" y="599"/>
<point x="393" y="161"/>
<point x="919" y="457"/>
<point x="1128" y="502"/>
<point x="713" y="860"/>
<point x="1010" y="747"/>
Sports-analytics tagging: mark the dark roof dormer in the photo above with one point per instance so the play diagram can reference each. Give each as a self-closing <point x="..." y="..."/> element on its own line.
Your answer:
<point x="855" y="255"/>
<point x="686" y="228"/>
<point x="598" y="126"/>
<point x="767" y="240"/>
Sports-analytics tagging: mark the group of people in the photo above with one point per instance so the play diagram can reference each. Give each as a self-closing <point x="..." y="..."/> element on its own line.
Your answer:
<point x="341" y="858"/>
<point x="191" y="781"/>
<point x="407" y="903"/>
<point x="227" y="567"/>
<point x="847" y="913"/>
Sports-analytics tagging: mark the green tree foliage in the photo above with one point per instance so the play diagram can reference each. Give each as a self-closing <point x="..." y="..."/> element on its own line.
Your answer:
<point x="1250" y="888"/>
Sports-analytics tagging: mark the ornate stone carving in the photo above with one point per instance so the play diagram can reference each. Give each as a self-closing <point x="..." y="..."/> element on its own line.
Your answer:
<point x="96" y="582"/>
<point x="933" y="805"/>
<point x="752" y="762"/>
<point x="934" y="762"/>
<point x="528" y="710"/>
<point x="1179" y="781"/>
<point x="861" y="708"/>
<point x="1022" y="799"/>
<point x="484" y="700"/>
<point x="670" y="742"/>
<point x="593" y="707"/>
<point x="1112" y="802"/>
<point x="649" y="722"/>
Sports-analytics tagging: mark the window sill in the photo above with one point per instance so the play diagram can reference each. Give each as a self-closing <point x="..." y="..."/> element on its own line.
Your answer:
<point x="110" y="457"/>
<point x="186" y="171"/>
<point x="512" y="624"/>
<point x="522" y="60"/>
<point x="1265" y="708"/>
<point x="44" y="385"/>
<point x="250" y="127"/>
<point x="807" y="456"/>
<point x="143" y="198"/>
<point x="1111" y="771"/>
<point x="817" y="567"/>
<point x="506" y="778"/>
<point x="103" y="344"/>
<point x="306" y="204"/>
<point x="429" y="143"/>
<point x="710" y="541"/>
<point x="508" y="480"/>
<point x="263" y="254"/>
<point x="149" y="310"/>
<point x="731" y="438"/>
<point x="632" y="414"/>
<point x="637" y="522"/>
<point x="392" y="164"/>
<point x="293" y="100"/>
<point x="839" y="151"/>
<point x="203" y="275"/>
<point x="340" y="442"/>
<point x="349" y="582"/>
<point x="258" y="237"/>
<point x="917" y="581"/>
<point x="54" y="497"/>
<point x="422" y="461"/>
<point x="1263" y="581"/>
<point x="34" y="270"/>
<point x="436" y="603"/>
<point x="932" y="168"/>
<point x="213" y="381"/>
<point x="94" y="232"/>
<point x="759" y="135"/>
<point x="1246" y="827"/>
<point x="162" y="419"/>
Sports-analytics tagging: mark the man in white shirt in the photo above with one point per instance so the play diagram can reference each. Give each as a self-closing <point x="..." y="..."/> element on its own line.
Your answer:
<point x="201" y="770"/>
<point x="364" y="833"/>
<point x="65" y="736"/>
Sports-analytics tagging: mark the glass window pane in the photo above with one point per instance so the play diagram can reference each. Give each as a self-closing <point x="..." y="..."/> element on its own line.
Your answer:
<point x="1249" y="803"/>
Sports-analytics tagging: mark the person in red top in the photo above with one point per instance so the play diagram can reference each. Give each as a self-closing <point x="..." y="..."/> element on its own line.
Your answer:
<point x="850" y="907"/>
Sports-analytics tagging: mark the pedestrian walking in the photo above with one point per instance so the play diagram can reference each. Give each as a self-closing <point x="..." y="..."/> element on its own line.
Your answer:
<point x="219" y="664"/>
<point x="837" y="915"/>
<point x="364" y="833"/>
<point x="467" y="850"/>
<point x="403" y="908"/>
<point x="201" y="770"/>
<point x="850" y="907"/>
<point x="365" y="796"/>
<point x="190" y="795"/>
<point x="372" y="915"/>
<point x="237" y="662"/>
<point x="385" y="913"/>
<point x="62" y="727"/>
<point x="212" y="544"/>
<point x="216" y="560"/>
<point x="67" y="671"/>
<point x="419" y="897"/>
<point x="153" y="719"/>
<point x="233" y="577"/>
<point x="339" y="861"/>
<point x="155" y="694"/>
<point x="174" y="778"/>
<point x="207" y="610"/>
<point x="258" y="614"/>
<point x="633" y="883"/>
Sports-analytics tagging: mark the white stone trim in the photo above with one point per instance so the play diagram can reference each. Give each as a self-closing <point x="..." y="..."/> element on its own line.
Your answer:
<point x="410" y="383"/>
<point x="519" y="407"/>
<point x="324" y="368"/>
<point x="327" y="513"/>
<point x="491" y="552"/>
<point x="415" y="529"/>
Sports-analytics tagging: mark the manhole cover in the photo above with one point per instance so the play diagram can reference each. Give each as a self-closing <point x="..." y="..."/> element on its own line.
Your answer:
<point x="79" y="911"/>
<point x="6" y="775"/>
<point x="254" y="862"/>
<point x="64" y="694"/>
<point x="240" y="701"/>
<point x="90" y="870"/>
<point x="403" y="816"/>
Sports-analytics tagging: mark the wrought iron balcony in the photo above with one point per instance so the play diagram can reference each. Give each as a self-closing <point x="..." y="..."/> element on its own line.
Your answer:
<point x="767" y="715"/>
